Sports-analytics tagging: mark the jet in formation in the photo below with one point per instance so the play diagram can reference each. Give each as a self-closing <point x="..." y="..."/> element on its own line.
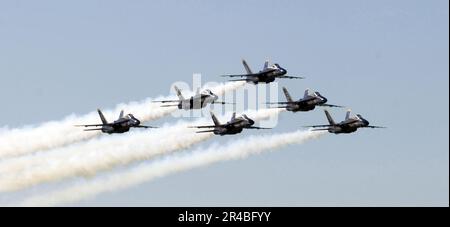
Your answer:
<point x="267" y="75"/>
<point x="234" y="126"/>
<point x="121" y="125"/>
<point x="349" y="125"/>
<point x="198" y="101"/>
<point x="309" y="101"/>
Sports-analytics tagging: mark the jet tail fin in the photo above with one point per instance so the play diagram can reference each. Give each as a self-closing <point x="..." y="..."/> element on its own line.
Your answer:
<point x="215" y="120"/>
<point x="121" y="114"/>
<point x="247" y="68"/>
<point x="330" y="119"/>
<point x="288" y="96"/>
<point x="180" y="96"/>
<point x="102" y="117"/>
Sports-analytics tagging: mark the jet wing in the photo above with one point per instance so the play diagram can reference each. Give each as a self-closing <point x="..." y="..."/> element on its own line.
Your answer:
<point x="317" y="126"/>
<point x="292" y="77"/>
<point x="370" y="126"/>
<point x="320" y="129"/>
<point x="239" y="80"/>
<point x="254" y="127"/>
<point x="166" y="101"/>
<point x="93" y="129"/>
<point x="204" y="126"/>
<point x="280" y="103"/>
<point x="277" y="107"/>
<point x="223" y="103"/>
<point x="330" y="105"/>
<point x="205" y="131"/>
<point x="242" y="75"/>
<point x="144" y="126"/>
<point x="94" y="125"/>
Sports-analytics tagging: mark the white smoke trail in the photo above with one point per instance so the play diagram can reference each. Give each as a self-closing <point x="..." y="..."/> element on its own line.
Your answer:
<point x="86" y="159"/>
<point x="172" y="164"/>
<point x="49" y="135"/>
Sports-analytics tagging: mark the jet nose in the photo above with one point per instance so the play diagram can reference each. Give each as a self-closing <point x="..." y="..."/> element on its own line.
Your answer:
<point x="252" y="122"/>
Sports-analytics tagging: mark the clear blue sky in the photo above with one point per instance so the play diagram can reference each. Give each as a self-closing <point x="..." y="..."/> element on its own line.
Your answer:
<point x="388" y="60"/>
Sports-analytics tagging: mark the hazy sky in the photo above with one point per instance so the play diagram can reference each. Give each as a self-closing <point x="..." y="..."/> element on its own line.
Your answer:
<point x="387" y="60"/>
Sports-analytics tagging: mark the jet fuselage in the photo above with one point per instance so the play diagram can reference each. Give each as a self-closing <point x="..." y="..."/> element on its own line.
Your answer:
<point x="306" y="104"/>
<point x="268" y="76"/>
<point x="197" y="102"/>
<point x="234" y="126"/>
<point x="349" y="126"/>
<point x="121" y="125"/>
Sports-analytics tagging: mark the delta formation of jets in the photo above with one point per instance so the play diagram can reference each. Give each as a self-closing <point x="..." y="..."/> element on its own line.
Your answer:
<point x="236" y="125"/>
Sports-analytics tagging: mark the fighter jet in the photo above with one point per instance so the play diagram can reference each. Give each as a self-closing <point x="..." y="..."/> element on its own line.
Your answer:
<point x="121" y="125"/>
<point x="198" y="101"/>
<point x="349" y="125"/>
<point x="309" y="101"/>
<point x="234" y="126"/>
<point x="267" y="75"/>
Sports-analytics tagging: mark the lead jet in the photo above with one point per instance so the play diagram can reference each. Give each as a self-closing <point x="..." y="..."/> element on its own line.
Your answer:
<point x="198" y="101"/>
<point x="267" y="75"/>
<point x="309" y="101"/>
<point x="234" y="126"/>
<point x="349" y="125"/>
<point x="121" y="125"/>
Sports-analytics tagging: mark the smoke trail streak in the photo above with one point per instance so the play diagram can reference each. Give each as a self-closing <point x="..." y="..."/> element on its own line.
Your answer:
<point x="86" y="159"/>
<point x="49" y="135"/>
<point x="172" y="164"/>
